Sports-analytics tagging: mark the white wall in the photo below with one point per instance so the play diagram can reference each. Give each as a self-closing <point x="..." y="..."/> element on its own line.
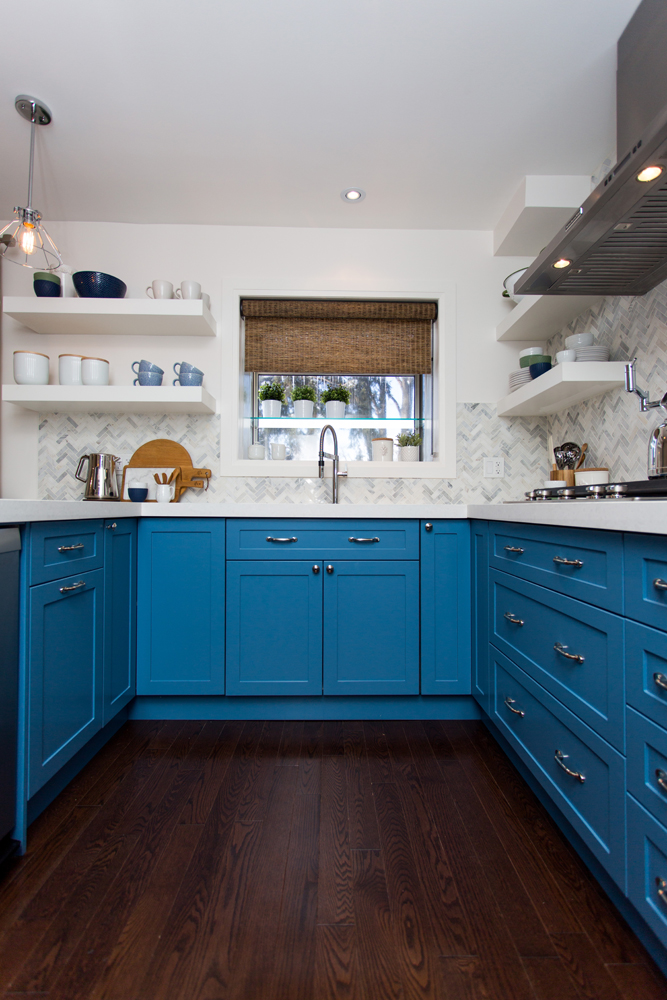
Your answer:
<point x="333" y="259"/>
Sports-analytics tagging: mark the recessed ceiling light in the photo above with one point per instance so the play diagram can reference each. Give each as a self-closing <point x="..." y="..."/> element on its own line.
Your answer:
<point x="649" y="174"/>
<point x="353" y="194"/>
<point x="562" y="263"/>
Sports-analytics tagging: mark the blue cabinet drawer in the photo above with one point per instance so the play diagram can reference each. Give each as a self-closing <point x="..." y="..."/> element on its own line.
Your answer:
<point x="59" y="548"/>
<point x="647" y="867"/>
<point x="646" y="671"/>
<point x="646" y="579"/>
<point x="252" y="538"/>
<point x="647" y="764"/>
<point x="584" y="564"/>
<point x="572" y="649"/>
<point x="550" y="739"/>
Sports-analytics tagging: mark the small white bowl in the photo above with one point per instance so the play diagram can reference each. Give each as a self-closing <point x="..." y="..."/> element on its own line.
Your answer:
<point x="511" y="280"/>
<point x="566" y="356"/>
<point x="580" y="340"/>
<point x="531" y="350"/>
<point x="591" y="477"/>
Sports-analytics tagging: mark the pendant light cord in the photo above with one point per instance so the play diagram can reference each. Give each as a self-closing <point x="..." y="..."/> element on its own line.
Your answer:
<point x="32" y="154"/>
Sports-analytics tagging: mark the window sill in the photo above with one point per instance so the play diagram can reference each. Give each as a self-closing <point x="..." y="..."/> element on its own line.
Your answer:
<point x="268" y="468"/>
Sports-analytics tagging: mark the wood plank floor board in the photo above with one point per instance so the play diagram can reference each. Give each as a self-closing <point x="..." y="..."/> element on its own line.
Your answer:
<point x="337" y="973"/>
<point x="333" y="738"/>
<point x="638" y="982"/>
<point x="550" y="979"/>
<point x="377" y="750"/>
<point x="363" y="827"/>
<point x="378" y="959"/>
<point x="290" y="745"/>
<point x="310" y="761"/>
<point x="210" y="776"/>
<point x="592" y="979"/>
<point x="334" y="888"/>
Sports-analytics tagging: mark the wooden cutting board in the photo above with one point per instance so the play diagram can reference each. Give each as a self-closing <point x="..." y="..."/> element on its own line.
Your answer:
<point x="166" y="454"/>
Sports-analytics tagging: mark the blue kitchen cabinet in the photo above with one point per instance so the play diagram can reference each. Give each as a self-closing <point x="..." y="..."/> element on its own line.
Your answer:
<point x="445" y="607"/>
<point x="481" y="680"/>
<point x="274" y="627"/>
<point x="120" y="615"/>
<point x="181" y="606"/>
<point x="65" y="662"/>
<point x="371" y="628"/>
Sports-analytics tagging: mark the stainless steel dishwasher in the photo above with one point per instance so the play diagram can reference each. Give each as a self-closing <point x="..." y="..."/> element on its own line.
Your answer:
<point x="10" y="547"/>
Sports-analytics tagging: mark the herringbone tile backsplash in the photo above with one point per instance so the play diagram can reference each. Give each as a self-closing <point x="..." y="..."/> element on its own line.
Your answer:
<point x="616" y="432"/>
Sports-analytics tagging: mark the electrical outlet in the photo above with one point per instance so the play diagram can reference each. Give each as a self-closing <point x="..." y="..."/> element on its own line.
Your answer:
<point x="494" y="468"/>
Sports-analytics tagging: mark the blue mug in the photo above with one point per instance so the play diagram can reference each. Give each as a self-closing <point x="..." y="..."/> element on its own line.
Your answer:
<point x="146" y="366"/>
<point x="148" y="378"/>
<point x="185" y="368"/>
<point x="189" y="378"/>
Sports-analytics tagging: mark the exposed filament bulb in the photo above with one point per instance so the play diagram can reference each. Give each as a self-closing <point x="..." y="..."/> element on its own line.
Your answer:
<point x="27" y="238"/>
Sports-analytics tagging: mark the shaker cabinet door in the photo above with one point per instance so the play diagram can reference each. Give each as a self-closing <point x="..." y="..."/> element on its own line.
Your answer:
<point x="445" y="607"/>
<point x="120" y="615"/>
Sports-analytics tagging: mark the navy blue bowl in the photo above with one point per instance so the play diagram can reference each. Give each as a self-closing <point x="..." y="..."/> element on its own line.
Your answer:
<point x="46" y="289"/>
<point x="135" y="495"/>
<point x="541" y="368"/>
<point x="97" y="285"/>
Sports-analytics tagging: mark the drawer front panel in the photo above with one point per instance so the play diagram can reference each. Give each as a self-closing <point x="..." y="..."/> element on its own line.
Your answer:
<point x="584" y="564"/>
<point x="592" y="689"/>
<point x="251" y="538"/>
<point x="646" y="671"/>
<point x="60" y="548"/>
<point x="646" y="579"/>
<point x="594" y="807"/>
<point x="647" y="764"/>
<point x="647" y="867"/>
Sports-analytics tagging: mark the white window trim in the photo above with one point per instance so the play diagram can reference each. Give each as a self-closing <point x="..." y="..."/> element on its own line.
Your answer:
<point x="231" y="401"/>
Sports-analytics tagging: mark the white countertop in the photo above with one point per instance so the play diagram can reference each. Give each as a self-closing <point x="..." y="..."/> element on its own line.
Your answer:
<point x="647" y="516"/>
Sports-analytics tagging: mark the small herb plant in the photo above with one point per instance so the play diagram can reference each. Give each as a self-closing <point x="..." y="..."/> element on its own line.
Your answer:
<point x="304" y="392"/>
<point x="272" y="390"/>
<point x="335" y="393"/>
<point x="409" y="440"/>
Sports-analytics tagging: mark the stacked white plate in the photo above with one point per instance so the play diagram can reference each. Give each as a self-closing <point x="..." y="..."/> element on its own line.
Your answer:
<point x="592" y="354"/>
<point x="518" y="378"/>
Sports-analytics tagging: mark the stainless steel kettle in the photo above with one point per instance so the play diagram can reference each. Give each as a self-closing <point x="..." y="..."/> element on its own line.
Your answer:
<point x="657" y="452"/>
<point x="101" y="478"/>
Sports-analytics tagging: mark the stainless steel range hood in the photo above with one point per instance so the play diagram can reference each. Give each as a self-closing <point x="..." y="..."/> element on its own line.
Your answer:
<point x="616" y="242"/>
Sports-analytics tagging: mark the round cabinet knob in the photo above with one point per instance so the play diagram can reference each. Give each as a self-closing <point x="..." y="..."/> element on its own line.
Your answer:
<point x="112" y="526"/>
<point x="329" y="568"/>
<point x="428" y="526"/>
<point x="316" y="569"/>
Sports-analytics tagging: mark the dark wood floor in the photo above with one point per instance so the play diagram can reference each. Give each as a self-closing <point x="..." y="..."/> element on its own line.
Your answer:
<point x="306" y="861"/>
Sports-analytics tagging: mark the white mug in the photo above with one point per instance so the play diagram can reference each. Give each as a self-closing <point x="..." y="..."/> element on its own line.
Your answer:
<point x="69" y="369"/>
<point x="31" y="368"/>
<point x="277" y="451"/>
<point x="164" y="492"/>
<point x="161" y="290"/>
<point x="94" y="371"/>
<point x="383" y="449"/>
<point x="256" y="451"/>
<point x="189" y="290"/>
<point x="206" y="299"/>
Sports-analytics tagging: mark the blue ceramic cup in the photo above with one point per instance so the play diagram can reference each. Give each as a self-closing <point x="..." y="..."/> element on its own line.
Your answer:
<point x="148" y="378"/>
<point x="146" y="366"/>
<point x="46" y="289"/>
<point x="185" y="368"/>
<point x="189" y="378"/>
<point x="539" y="369"/>
<point x="137" y="495"/>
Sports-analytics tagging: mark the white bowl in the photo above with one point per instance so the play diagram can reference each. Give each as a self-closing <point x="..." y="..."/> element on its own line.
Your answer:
<point x="563" y="356"/>
<point x="580" y="340"/>
<point x="591" y="477"/>
<point x="531" y="350"/>
<point x="511" y="280"/>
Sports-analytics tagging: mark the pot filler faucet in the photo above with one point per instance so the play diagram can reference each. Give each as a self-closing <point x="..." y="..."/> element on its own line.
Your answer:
<point x="657" y="442"/>
<point x="335" y="474"/>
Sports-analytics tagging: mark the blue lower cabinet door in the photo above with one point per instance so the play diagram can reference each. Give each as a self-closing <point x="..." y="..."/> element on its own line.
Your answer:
<point x="446" y="629"/>
<point x="371" y="628"/>
<point x="181" y="606"/>
<point x="120" y="615"/>
<point x="274" y="628"/>
<point x="481" y="680"/>
<point x="647" y="867"/>
<point x="65" y="669"/>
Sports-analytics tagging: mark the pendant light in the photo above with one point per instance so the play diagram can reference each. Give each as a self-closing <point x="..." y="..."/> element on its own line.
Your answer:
<point x="25" y="241"/>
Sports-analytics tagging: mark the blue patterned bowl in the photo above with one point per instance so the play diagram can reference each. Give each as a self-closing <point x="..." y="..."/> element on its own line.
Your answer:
<point x="97" y="285"/>
<point x="45" y="289"/>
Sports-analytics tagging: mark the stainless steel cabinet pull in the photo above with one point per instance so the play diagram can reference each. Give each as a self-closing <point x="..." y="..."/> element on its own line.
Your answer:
<point x="559" y="757"/>
<point x="75" y="586"/>
<point x="316" y="569"/>
<point x="376" y="539"/>
<point x="270" y="538"/>
<point x="112" y="526"/>
<point x="329" y="568"/>
<point x="511" y="617"/>
<point x="662" y="888"/>
<point x="660" y="584"/>
<point x="514" y="548"/>
<point x="511" y="701"/>
<point x="568" y="562"/>
<point x="560" y="648"/>
<point x="660" y="681"/>
<point x="662" y="778"/>
<point x="428" y="526"/>
<point x="70" y="548"/>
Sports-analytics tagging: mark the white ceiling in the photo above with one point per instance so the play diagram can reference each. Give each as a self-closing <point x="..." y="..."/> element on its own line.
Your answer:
<point x="259" y="112"/>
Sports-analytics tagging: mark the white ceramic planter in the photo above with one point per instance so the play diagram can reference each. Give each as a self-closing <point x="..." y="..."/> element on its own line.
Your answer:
<point x="271" y="408"/>
<point x="335" y="409"/>
<point x="409" y="454"/>
<point x="303" y="408"/>
<point x="382" y="449"/>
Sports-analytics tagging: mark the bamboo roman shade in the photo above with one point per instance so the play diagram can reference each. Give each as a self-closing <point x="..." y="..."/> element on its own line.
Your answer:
<point x="314" y="336"/>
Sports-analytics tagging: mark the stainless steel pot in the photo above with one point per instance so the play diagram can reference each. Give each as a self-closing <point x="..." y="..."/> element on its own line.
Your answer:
<point x="101" y="478"/>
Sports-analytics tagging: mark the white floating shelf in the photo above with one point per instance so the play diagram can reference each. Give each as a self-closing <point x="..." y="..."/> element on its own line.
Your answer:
<point x="538" y="317"/>
<point x="564" y="386"/>
<point x="116" y="317"/>
<point x="109" y="398"/>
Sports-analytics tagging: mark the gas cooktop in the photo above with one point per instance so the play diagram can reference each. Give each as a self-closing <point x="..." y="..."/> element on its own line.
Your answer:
<point x="644" y="489"/>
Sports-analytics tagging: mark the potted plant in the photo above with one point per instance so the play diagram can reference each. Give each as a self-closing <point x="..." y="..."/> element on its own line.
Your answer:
<point x="335" y="398"/>
<point x="303" y="397"/>
<point x="408" y="445"/>
<point x="272" y="397"/>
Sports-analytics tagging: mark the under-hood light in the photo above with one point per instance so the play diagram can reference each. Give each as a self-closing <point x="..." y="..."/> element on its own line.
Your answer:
<point x="562" y="263"/>
<point x="649" y="174"/>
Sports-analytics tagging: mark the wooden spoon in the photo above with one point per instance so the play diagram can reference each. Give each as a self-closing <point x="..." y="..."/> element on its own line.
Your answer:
<point x="582" y="457"/>
<point x="156" y="478"/>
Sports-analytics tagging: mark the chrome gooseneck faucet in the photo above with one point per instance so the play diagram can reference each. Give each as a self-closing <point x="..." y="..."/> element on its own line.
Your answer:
<point x="631" y="386"/>
<point x="335" y="475"/>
